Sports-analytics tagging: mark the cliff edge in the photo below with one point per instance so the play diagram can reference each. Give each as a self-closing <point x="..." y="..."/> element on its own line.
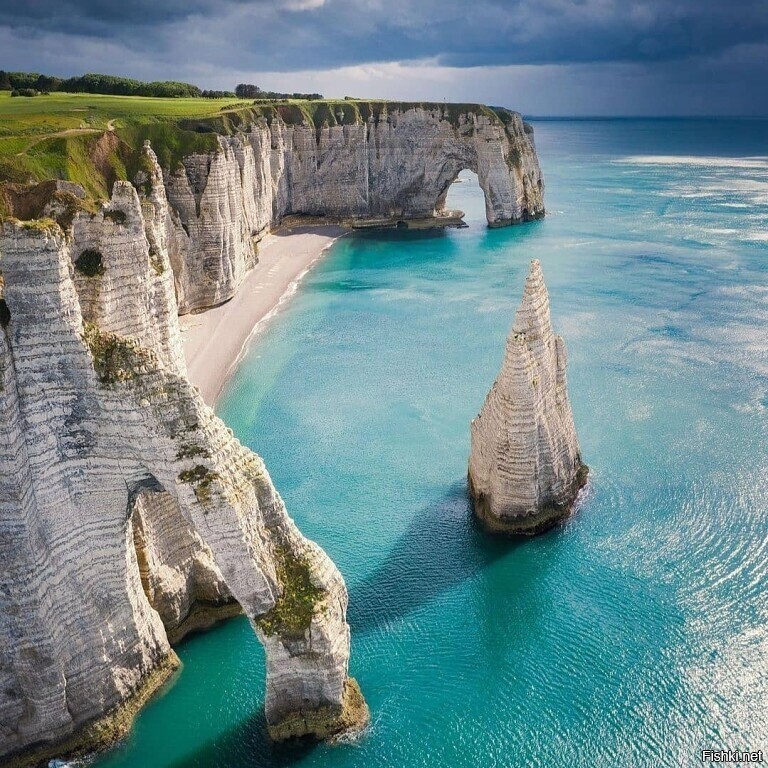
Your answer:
<point x="129" y="514"/>
<point x="379" y="167"/>
<point x="232" y="177"/>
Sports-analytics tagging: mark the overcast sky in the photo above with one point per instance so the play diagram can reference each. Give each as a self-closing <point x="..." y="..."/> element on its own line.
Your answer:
<point x="542" y="57"/>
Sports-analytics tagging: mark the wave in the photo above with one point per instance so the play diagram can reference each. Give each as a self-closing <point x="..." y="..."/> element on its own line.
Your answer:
<point x="756" y="163"/>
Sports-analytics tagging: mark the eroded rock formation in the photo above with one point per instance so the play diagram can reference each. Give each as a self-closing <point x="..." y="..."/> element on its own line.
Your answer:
<point x="129" y="514"/>
<point x="395" y="165"/>
<point x="525" y="468"/>
<point x="128" y="510"/>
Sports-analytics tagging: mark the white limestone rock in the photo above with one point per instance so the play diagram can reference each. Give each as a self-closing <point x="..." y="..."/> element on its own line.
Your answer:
<point x="525" y="468"/>
<point x="125" y="502"/>
<point x="128" y="512"/>
<point x="398" y="166"/>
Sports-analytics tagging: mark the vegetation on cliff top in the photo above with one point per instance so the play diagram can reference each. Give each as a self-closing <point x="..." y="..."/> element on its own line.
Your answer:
<point x="35" y="84"/>
<point x="96" y="83"/>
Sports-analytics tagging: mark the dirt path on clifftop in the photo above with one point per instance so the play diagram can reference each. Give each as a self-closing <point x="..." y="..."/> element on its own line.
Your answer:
<point x="68" y="132"/>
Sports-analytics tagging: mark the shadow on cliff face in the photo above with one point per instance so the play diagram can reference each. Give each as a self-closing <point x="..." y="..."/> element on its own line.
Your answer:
<point x="442" y="547"/>
<point x="247" y="744"/>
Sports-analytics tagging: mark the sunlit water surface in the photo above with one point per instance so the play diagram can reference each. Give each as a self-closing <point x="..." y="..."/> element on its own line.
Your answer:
<point x="636" y="634"/>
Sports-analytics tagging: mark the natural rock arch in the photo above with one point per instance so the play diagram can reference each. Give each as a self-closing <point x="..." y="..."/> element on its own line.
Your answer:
<point x="390" y="166"/>
<point x="451" y="176"/>
<point x="177" y="569"/>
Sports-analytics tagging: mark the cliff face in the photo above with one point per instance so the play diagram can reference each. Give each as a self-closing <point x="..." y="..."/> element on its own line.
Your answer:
<point x="390" y="167"/>
<point x="525" y="468"/>
<point x="126" y="505"/>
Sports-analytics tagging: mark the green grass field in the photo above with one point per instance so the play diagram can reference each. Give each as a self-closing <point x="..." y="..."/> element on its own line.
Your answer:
<point x="61" y="135"/>
<point x="66" y="111"/>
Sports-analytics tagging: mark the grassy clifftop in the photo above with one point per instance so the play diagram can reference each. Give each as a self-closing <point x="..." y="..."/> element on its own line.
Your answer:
<point x="93" y="140"/>
<point x="90" y="139"/>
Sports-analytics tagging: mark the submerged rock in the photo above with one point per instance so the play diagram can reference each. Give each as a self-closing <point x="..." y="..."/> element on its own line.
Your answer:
<point x="525" y="468"/>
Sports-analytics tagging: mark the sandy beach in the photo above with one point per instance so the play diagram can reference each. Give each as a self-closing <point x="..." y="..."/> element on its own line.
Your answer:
<point x="214" y="340"/>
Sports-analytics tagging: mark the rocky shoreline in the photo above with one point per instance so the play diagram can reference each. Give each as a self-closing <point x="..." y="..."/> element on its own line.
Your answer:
<point x="107" y="730"/>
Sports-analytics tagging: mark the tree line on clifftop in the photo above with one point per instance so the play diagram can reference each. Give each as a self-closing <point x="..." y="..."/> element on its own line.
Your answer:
<point x="35" y="84"/>
<point x="250" y="91"/>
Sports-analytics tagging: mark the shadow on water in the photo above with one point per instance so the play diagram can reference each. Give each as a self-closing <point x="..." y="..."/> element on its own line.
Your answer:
<point x="247" y="744"/>
<point x="442" y="547"/>
<point x="399" y="234"/>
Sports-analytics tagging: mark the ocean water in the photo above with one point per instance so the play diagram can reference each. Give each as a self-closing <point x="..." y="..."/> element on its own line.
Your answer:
<point x="634" y="635"/>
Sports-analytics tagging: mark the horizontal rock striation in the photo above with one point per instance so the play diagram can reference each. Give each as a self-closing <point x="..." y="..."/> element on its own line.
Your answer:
<point x="395" y="165"/>
<point x="127" y="508"/>
<point x="525" y="468"/>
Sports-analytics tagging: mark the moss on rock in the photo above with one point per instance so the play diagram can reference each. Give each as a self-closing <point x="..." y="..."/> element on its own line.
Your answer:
<point x="106" y="731"/>
<point x="201" y="478"/>
<point x="115" y="358"/>
<point x="156" y="262"/>
<point x="191" y="450"/>
<point x="325" y="722"/>
<point x="292" y="614"/>
<point x="532" y="524"/>
<point x="117" y="216"/>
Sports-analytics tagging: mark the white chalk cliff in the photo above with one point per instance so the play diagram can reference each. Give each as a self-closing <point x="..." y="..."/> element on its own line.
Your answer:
<point x="129" y="514"/>
<point x="525" y="468"/>
<point x="396" y="165"/>
<point x="128" y="510"/>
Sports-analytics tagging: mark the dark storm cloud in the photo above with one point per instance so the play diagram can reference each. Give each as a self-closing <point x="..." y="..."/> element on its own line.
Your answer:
<point x="297" y="34"/>
<point x="545" y="56"/>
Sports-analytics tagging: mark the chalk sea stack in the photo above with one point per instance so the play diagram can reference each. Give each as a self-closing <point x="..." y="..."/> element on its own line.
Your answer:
<point x="525" y="468"/>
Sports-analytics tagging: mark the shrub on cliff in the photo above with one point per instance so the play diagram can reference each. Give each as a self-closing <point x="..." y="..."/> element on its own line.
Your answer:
<point x="90" y="263"/>
<point x="291" y="616"/>
<point x="201" y="478"/>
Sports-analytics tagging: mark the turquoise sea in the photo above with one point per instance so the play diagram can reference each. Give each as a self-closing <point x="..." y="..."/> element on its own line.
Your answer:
<point x="636" y="634"/>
